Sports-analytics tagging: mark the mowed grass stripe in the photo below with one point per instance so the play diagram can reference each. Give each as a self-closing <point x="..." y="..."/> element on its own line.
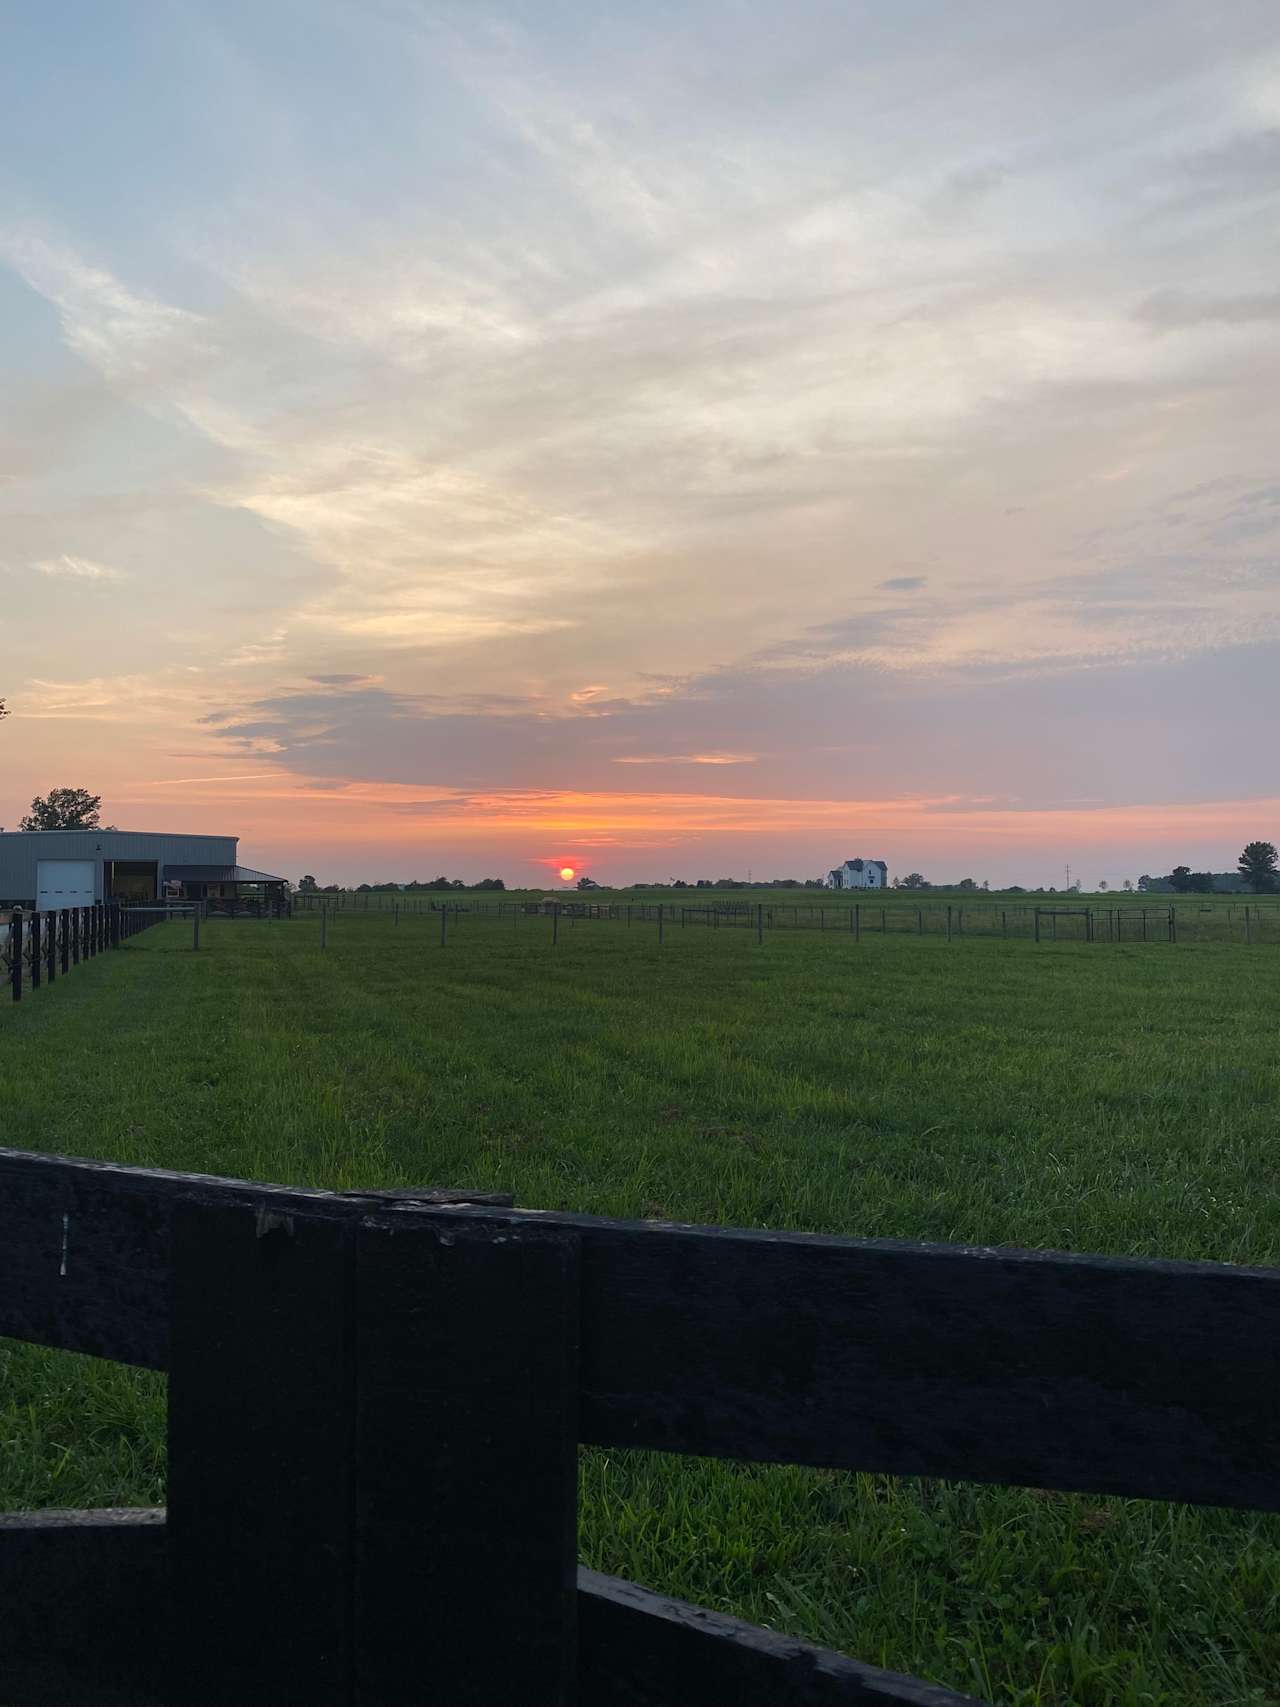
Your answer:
<point x="1102" y="1098"/>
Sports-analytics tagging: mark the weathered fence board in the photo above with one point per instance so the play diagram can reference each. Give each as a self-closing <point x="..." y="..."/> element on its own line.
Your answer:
<point x="1124" y="1376"/>
<point x="83" y="1608"/>
<point x="85" y="1246"/>
<point x="86" y="1600"/>
<point x="639" y="1649"/>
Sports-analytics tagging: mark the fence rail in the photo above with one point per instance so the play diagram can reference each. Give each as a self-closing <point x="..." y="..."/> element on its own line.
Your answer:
<point x="375" y="1403"/>
<point x="39" y="947"/>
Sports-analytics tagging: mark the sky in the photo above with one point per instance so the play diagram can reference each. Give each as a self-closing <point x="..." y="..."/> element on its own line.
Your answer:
<point x="670" y="439"/>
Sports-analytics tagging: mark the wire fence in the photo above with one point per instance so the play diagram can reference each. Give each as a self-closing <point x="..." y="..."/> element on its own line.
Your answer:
<point x="1241" y="922"/>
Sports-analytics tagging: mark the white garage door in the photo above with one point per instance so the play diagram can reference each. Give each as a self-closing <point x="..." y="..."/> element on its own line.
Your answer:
<point x="64" y="883"/>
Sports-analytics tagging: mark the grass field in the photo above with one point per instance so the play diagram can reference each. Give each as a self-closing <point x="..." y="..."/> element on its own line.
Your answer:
<point x="1109" y="1098"/>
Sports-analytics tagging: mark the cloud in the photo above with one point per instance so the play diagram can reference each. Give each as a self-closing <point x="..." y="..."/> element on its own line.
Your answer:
<point x="903" y="583"/>
<point x="66" y="567"/>
<point x="1170" y="309"/>
<point x="686" y="759"/>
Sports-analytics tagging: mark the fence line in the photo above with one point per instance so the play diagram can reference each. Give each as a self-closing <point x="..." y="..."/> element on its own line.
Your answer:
<point x="38" y="947"/>
<point x="417" y="1539"/>
<point x="1246" y="923"/>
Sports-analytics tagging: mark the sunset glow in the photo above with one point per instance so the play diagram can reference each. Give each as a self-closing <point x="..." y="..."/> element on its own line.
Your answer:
<point x="875" y="462"/>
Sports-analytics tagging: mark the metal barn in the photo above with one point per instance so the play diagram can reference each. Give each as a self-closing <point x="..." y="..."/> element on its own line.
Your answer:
<point x="49" y="869"/>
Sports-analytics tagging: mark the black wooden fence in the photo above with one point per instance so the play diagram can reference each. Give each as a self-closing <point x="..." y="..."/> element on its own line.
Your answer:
<point x="375" y="1403"/>
<point x="40" y="947"/>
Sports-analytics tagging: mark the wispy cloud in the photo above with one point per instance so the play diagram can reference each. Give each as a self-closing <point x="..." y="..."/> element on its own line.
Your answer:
<point x="686" y="759"/>
<point x="69" y="568"/>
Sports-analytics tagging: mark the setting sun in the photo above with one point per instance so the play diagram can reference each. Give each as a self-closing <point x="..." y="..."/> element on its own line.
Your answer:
<point x="567" y="873"/>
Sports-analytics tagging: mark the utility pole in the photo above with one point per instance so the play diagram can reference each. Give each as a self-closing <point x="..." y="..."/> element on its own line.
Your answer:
<point x="1068" y="877"/>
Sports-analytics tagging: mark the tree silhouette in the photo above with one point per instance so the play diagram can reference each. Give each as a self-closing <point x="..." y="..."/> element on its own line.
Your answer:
<point x="1258" y="867"/>
<point x="64" y="809"/>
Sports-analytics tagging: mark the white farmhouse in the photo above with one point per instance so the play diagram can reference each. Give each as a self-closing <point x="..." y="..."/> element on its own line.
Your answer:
<point x="858" y="874"/>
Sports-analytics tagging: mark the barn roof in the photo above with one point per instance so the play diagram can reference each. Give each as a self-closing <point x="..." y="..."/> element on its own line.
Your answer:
<point x="220" y="874"/>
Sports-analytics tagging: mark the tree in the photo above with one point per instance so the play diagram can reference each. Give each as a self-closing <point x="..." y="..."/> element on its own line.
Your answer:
<point x="967" y="883"/>
<point x="1128" y="886"/>
<point x="1180" y="877"/>
<point x="64" y="809"/>
<point x="1102" y="886"/>
<point x="587" y="883"/>
<point x="913" y="880"/>
<point x="307" y="885"/>
<point x="3" y="712"/>
<point x="1258" y="867"/>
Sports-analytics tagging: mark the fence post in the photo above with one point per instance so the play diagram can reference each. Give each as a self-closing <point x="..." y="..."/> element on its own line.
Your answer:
<point x="15" y="953"/>
<point x="948" y="921"/>
<point x="51" y="946"/>
<point x="1173" y="925"/>
<point x="324" y="924"/>
<point x="261" y="1478"/>
<point x="195" y="927"/>
<point x="73" y="924"/>
<point x="1037" y="924"/>
<point x="661" y="910"/>
<point x="64" y="939"/>
<point x="483" y="1408"/>
<point x="444" y="917"/>
<point x="1248" y="930"/>
<point x="555" y="923"/>
<point x="760" y="923"/>
<point x="395" y="912"/>
<point x="34" y="949"/>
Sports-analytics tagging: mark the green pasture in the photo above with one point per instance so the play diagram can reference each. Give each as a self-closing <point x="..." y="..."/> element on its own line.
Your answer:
<point x="1112" y="1097"/>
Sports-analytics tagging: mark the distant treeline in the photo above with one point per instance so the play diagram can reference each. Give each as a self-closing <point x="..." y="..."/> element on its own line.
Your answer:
<point x="1183" y="881"/>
